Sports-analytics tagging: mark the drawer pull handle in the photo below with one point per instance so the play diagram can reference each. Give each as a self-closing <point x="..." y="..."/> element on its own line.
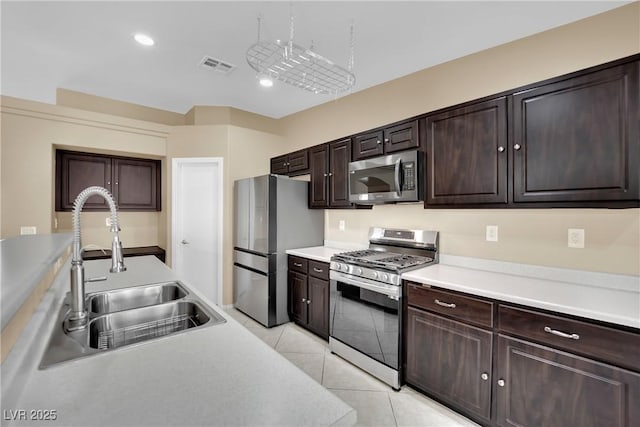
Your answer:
<point x="297" y="264"/>
<point x="561" y="334"/>
<point x="444" y="304"/>
<point x="317" y="270"/>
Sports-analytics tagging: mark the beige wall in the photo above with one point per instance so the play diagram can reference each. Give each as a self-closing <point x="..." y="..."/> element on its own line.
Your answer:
<point x="30" y="133"/>
<point x="245" y="153"/>
<point x="526" y="236"/>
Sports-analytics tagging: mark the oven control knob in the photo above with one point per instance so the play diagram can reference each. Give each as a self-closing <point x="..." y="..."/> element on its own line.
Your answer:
<point x="338" y="266"/>
<point x="358" y="270"/>
<point x="375" y="275"/>
<point x="385" y="277"/>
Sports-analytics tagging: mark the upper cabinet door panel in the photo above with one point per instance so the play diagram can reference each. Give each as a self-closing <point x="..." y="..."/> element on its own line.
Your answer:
<point x="367" y="145"/>
<point x="298" y="162"/>
<point x="466" y="154"/>
<point x="578" y="139"/>
<point x="136" y="184"/>
<point x="75" y="172"/>
<point x="319" y="169"/>
<point x="279" y="165"/>
<point x="401" y="137"/>
<point x="339" y="157"/>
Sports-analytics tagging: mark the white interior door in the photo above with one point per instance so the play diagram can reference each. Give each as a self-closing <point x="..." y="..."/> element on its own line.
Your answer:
<point x="197" y="224"/>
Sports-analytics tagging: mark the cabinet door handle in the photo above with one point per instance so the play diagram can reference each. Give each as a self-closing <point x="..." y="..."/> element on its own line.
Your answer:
<point x="484" y="376"/>
<point x="108" y="182"/>
<point x="517" y="147"/>
<point x="330" y="173"/>
<point x="386" y="140"/>
<point x="326" y="175"/>
<point x="444" y="304"/>
<point x="561" y="334"/>
<point x="304" y="300"/>
<point x="317" y="270"/>
<point x="297" y="264"/>
<point x="501" y="382"/>
<point x="378" y="142"/>
<point x="308" y="301"/>
<point x="500" y="149"/>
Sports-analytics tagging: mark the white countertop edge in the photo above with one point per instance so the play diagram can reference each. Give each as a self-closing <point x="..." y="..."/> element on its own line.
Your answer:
<point x="530" y="302"/>
<point x="535" y="303"/>
<point x="581" y="277"/>
<point x="26" y="353"/>
<point x="17" y="290"/>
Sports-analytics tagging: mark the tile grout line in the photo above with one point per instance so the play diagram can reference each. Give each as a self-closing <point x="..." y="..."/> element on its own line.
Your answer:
<point x="393" y="412"/>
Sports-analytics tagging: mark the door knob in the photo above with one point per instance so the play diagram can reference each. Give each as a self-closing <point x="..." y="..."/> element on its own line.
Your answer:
<point x="184" y="242"/>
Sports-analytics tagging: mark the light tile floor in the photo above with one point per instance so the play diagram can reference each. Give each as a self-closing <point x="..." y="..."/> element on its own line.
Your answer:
<point x="377" y="404"/>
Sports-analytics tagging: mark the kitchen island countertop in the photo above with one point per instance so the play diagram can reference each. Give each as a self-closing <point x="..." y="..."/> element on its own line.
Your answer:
<point x="216" y="375"/>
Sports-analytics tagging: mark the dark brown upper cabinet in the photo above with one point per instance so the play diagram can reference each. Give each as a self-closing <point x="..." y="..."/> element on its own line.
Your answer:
<point x="577" y="140"/>
<point x="292" y="164"/>
<point x="466" y="154"/>
<point x="329" y="165"/>
<point x="570" y="141"/>
<point x="134" y="183"/>
<point x="400" y="137"/>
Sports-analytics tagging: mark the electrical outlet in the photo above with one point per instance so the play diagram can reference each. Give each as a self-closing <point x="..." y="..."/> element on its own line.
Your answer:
<point x="576" y="238"/>
<point x="341" y="225"/>
<point x="27" y="230"/>
<point x="492" y="233"/>
<point x="107" y="221"/>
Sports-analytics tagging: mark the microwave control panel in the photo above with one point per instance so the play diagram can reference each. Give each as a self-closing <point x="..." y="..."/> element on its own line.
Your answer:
<point x="409" y="175"/>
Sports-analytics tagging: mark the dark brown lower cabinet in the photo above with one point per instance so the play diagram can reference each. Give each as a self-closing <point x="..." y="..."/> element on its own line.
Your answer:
<point x="451" y="360"/>
<point x="298" y="297"/>
<point x="318" y="306"/>
<point x="309" y="294"/>
<point x="536" y="385"/>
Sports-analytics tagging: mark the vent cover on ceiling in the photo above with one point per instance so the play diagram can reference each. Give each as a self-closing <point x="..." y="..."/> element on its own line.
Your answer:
<point x="217" y="65"/>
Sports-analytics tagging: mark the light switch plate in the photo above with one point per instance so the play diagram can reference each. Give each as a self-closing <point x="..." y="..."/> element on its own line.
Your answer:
<point x="575" y="238"/>
<point x="492" y="233"/>
<point x="107" y="221"/>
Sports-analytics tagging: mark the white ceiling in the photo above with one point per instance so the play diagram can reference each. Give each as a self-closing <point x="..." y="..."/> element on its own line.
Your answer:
<point x="88" y="46"/>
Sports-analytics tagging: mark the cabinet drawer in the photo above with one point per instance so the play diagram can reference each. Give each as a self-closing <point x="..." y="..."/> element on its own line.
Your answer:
<point x="319" y="269"/>
<point x="298" y="264"/>
<point x="451" y="304"/>
<point x="600" y="342"/>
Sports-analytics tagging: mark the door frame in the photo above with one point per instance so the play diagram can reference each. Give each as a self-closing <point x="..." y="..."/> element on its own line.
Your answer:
<point x="176" y="165"/>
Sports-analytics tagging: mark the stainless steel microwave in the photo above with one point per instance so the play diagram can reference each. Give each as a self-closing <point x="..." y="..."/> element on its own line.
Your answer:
<point x="387" y="179"/>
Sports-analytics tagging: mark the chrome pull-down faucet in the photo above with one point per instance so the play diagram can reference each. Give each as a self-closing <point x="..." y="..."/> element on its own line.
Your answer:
<point x="77" y="317"/>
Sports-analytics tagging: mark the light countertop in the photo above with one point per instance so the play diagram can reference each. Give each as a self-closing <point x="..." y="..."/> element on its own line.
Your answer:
<point x="316" y="253"/>
<point x="216" y="375"/>
<point x="606" y="297"/>
<point x="24" y="260"/>
<point x="615" y="304"/>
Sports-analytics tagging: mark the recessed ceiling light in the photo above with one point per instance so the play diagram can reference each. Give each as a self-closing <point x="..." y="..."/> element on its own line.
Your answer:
<point x="265" y="81"/>
<point x="144" y="39"/>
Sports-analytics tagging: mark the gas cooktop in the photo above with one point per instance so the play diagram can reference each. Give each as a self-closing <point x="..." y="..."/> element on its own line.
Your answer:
<point x="382" y="259"/>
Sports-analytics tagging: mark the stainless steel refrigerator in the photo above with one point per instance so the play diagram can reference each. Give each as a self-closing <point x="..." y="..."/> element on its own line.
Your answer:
<point x="271" y="216"/>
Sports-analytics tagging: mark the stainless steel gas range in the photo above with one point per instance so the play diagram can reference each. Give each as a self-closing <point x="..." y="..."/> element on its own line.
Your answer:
<point x="365" y="323"/>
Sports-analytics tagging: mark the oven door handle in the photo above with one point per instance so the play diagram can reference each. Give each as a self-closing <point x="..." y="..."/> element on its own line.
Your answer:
<point x="389" y="290"/>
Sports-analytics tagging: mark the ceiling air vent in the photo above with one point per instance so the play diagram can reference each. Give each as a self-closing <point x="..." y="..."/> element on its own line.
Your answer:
<point x="217" y="65"/>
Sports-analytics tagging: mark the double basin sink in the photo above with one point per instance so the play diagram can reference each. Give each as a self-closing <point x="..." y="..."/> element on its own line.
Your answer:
<point x="128" y="316"/>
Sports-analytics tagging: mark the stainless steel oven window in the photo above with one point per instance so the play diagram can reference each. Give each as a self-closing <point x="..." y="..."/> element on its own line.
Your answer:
<point x="367" y="321"/>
